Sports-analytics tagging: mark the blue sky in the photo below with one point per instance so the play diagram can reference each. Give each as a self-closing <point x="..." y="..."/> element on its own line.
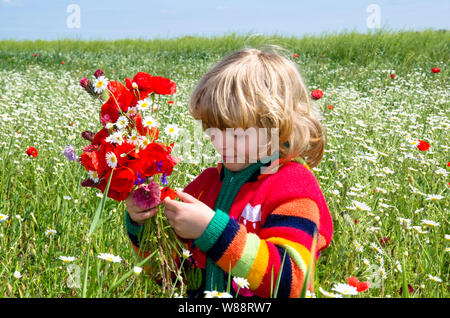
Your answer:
<point x="110" y="19"/>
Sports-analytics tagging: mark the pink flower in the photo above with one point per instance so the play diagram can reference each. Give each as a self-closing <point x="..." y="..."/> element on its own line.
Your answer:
<point x="147" y="196"/>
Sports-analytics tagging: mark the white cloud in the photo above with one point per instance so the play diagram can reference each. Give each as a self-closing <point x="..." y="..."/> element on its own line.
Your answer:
<point x="12" y="3"/>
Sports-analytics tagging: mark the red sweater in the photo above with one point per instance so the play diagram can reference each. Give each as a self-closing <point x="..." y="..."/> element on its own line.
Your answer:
<point x="271" y="213"/>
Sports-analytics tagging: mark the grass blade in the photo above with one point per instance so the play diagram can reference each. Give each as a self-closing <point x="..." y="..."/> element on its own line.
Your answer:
<point x="310" y="266"/>
<point x="100" y="207"/>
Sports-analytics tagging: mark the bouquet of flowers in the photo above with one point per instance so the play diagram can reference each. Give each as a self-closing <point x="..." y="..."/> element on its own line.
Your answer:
<point x="125" y="154"/>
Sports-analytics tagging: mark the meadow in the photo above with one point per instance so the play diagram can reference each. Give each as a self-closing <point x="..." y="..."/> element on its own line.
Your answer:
<point x="388" y="198"/>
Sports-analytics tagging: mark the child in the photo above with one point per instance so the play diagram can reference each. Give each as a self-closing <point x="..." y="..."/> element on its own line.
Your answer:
<point x="259" y="205"/>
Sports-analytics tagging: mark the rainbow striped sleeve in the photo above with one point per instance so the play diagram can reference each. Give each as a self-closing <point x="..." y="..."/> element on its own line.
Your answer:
<point x="287" y="232"/>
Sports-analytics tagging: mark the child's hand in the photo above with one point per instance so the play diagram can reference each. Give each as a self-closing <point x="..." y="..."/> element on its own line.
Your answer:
<point x="138" y="215"/>
<point x="189" y="218"/>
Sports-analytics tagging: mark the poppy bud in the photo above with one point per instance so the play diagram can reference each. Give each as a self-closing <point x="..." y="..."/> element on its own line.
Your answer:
<point x="99" y="73"/>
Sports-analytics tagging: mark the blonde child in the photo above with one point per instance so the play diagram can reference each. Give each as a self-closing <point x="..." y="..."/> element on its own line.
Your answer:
<point x="259" y="204"/>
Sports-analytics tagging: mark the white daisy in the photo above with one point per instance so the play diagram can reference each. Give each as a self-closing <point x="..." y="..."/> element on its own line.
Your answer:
<point x="186" y="253"/>
<point x="361" y="206"/>
<point x="143" y="104"/>
<point x="434" y="278"/>
<point x="143" y="142"/>
<point x="149" y="121"/>
<point x="115" y="138"/>
<point x="17" y="275"/>
<point x="122" y="122"/>
<point x="100" y="84"/>
<point x="49" y="232"/>
<point x="132" y="111"/>
<point x="111" y="160"/>
<point x="442" y="172"/>
<point x="358" y="246"/>
<point x="430" y="223"/>
<point x="67" y="259"/>
<point x="216" y="294"/>
<point x="137" y="270"/>
<point x="110" y="257"/>
<point x="241" y="282"/>
<point x="93" y="175"/>
<point x="328" y="294"/>
<point x="434" y="197"/>
<point x="447" y="237"/>
<point x="172" y="130"/>
<point x="345" y="289"/>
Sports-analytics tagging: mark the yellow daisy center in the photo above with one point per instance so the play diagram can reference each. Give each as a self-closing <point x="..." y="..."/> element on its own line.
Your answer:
<point x="99" y="84"/>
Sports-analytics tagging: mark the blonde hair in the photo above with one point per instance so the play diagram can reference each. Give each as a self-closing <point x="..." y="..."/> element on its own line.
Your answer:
<point x="262" y="88"/>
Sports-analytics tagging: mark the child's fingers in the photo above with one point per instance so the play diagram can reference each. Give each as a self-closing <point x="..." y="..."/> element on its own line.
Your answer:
<point x="141" y="217"/>
<point x="172" y="204"/>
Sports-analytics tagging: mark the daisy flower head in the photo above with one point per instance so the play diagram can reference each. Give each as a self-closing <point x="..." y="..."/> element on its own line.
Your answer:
<point x="186" y="253"/>
<point x="100" y="84"/>
<point x="430" y="223"/>
<point x="134" y="139"/>
<point x="434" y="197"/>
<point x="434" y="278"/>
<point x="115" y="138"/>
<point x="143" y="142"/>
<point x="137" y="270"/>
<point x="241" y="282"/>
<point x="49" y="232"/>
<point x="111" y="160"/>
<point x="144" y="104"/>
<point x="3" y="217"/>
<point x="132" y="111"/>
<point x="110" y="257"/>
<point x="93" y="175"/>
<point x="122" y="122"/>
<point x="216" y="294"/>
<point x="172" y="130"/>
<point x="329" y="294"/>
<point x="149" y="122"/>
<point x="17" y="275"/>
<point x="67" y="259"/>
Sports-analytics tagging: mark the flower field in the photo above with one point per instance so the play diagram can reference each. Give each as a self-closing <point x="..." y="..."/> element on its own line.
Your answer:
<point x="385" y="172"/>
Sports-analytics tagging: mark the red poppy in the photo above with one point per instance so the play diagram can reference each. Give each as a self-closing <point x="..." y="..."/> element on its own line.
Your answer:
<point x="392" y="76"/>
<point x="122" y="183"/>
<point x="435" y="70"/>
<point x="100" y="136"/>
<point x="170" y="102"/>
<point x="360" y="286"/>
<point x="156" y="158"/>
<point x="89" y="160"/>
<point x="317" y="94"/>
<point x="423" y="145"/>
<point x="63" y="62"/>
<point x="296" y="55"/>
<point x="121" y="96"/>
<point x="35" y="54"/>
<point x="448" y="164"/>
<point x="143" y="82"/>
<point x="168" y="192"/>
<point x="163" y="86"/>
<point x="32" y="152"/>
<point x="330" y="107"/>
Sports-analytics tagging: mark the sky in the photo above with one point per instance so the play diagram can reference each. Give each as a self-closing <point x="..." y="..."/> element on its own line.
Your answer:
<point x="110" y="19"/>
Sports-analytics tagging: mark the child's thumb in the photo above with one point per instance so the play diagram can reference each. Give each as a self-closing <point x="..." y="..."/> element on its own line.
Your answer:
<point x="186" y="197"/>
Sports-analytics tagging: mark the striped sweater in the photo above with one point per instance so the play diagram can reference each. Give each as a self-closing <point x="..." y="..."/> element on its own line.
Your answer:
<point x="269" y="214"/>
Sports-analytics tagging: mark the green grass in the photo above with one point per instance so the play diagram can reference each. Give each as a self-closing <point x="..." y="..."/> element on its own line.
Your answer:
<point x="367" y="132"/>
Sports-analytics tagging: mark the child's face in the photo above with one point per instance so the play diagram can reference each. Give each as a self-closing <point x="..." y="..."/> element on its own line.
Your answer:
<point x="240" y="148"/>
